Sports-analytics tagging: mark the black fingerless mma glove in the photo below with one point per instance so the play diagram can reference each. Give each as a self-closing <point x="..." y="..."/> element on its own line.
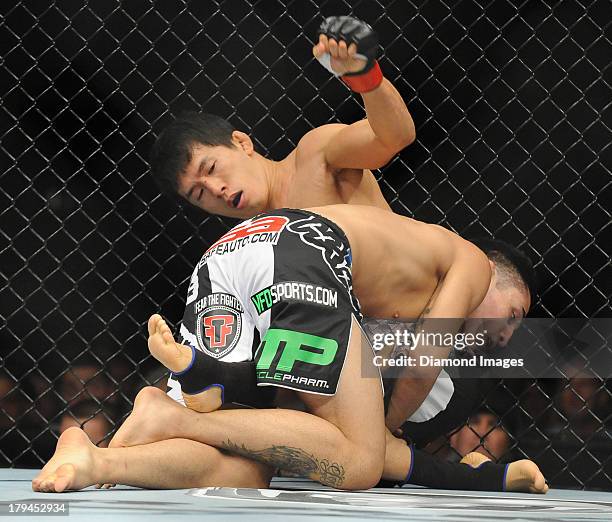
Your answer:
<point x="352" y="30"/>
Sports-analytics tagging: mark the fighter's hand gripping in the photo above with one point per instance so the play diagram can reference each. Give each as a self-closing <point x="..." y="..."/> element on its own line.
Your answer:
<point x="347" y="48"/>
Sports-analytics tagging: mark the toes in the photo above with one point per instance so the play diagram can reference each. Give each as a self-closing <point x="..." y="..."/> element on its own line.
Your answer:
<point x="539" y="484"/>
<point x="49" y="485"/>
<point x="161" y="326"/>
<point x="61" y="484"/>
<point x="45" y="484"/>
<point x="64" y="476"/>
<point x="152" y="324"/>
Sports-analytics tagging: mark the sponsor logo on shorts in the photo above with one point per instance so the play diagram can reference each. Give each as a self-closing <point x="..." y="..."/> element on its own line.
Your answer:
<point x="295" y="347"/>
<point x="260" y="230"/>
<point x="294" y="291"/>
<point x="335" y="252"/>
<point x="219" y="323"/>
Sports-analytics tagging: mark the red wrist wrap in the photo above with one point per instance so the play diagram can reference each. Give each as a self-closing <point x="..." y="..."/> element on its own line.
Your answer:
<point x="364" y="82"/>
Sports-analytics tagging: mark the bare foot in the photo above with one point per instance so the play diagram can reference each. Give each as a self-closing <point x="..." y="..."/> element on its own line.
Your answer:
<point x="140" y="426"/>
<point x="176" y="357"/>
<point x="524" y="475"/>
<point x="474" y="459"/>
<point x="72" y="466"/>
<point x="151" y="420"/>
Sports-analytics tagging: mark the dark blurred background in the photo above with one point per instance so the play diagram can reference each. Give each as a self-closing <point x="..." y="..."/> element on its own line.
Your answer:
<point x="512" y="106"/>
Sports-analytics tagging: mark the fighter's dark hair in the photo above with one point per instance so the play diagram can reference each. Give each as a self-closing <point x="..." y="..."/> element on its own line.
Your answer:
<point x="512" y="261"/>
<point x="172" y="150"/>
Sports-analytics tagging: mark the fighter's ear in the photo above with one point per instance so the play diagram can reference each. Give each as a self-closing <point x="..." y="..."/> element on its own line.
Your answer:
<point x="242" y="140"/>
<point x="494" y="273"/>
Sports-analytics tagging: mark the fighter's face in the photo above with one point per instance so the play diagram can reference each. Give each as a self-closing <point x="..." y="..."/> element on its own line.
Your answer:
<point x="507" y="305"/>
<point x="224" y="181"/>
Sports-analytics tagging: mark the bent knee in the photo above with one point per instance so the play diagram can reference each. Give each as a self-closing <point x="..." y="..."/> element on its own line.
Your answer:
<point x="364" y="474"/>
<point x="371" y="474"/>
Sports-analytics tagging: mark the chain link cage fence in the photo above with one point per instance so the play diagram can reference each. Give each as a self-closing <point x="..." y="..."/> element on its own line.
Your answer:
<point x="512" y="106"/>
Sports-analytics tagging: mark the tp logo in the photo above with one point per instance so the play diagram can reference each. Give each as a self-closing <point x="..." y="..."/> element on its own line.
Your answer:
<point x="293" y="349"/>
<point x="217" y="328"/>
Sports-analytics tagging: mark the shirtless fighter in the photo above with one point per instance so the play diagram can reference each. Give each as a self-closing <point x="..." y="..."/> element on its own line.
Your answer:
<point x="309" y="344"/>
<point x="203" y="159"/>
<point x="316" y="168"/>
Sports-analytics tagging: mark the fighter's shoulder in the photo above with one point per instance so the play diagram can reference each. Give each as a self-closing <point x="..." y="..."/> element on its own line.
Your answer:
<point x="317" y="139"/>
<point x="457" y="249"/>
<point x="474" y="264"/>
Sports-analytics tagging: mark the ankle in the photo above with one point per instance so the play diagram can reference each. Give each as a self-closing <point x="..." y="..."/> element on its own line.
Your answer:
<point x="105" y="465"/>
<point x="183" y="361"/>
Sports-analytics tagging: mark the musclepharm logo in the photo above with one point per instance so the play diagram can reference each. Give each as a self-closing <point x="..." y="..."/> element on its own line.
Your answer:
<point x="294" y="291"/>
<point x="293" y="350"/>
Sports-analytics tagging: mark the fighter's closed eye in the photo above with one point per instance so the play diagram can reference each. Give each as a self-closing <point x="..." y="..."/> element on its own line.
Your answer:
<point x="212" y="168"/>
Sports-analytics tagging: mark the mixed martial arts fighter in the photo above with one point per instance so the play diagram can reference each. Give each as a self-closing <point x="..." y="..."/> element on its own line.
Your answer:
<point x="204" y="160"/>
<point x="308" y="340"/>
<point x="195" y="145"/>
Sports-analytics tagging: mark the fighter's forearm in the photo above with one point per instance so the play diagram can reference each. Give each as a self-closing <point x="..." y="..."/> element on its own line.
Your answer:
<point x="414" y="384"/>
<point x="407" y="396"/>
<point x="388" y="116"/>
<point x="298" y="442"/>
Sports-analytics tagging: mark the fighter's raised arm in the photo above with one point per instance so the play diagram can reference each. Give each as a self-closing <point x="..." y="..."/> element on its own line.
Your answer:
<point x="347" y="47"/>
<point x="464" y="282"/>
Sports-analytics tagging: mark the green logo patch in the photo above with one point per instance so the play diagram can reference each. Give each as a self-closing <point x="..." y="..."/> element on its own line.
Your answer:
<point x="293" y="349"/>
<point x="262" y="300"/>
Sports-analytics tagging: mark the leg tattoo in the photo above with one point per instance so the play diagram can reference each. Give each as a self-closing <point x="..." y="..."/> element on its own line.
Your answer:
<point x="294" y="460"/>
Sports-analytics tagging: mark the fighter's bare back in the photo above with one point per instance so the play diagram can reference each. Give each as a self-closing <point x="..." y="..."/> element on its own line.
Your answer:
<point x="399" y="263"/>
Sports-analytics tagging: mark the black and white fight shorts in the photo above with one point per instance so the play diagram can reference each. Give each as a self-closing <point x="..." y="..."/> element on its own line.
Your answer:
<point x="276" y="290"/>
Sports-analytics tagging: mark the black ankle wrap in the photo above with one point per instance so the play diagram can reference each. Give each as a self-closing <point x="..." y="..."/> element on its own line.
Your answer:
<point x="237" y="380"/>
<point x="428" y="470"/>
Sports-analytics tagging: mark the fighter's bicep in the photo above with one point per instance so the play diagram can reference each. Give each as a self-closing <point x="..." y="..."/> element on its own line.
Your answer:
<point x="356" y="146"/>
<point x="341" y="146"/>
